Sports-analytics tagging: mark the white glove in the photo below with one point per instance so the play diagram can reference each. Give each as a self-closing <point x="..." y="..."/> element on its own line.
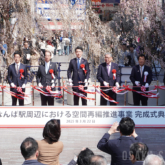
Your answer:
<point x="70" y="82"/>
<point x="23" y="86"/>
<point x="13" y="85"/>
<point x="146" y="85"/>
<point x="86" y="82"/>
<point x="40" y="85"/>
<point x="53" y="85"/>
<point x="106" y="84"/>
<point x="137" y="83"/>
<point x="117" y="85"/>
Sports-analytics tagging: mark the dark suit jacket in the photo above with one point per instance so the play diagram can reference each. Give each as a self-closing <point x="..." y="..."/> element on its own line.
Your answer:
<point x="117" y="148"/>
<point x="31" y="162"/>
<point x="138" y="163"/>
<point x="46" y="79"/>
<point x="13" y="77"/>
<point x="78" y="73"/>
<point x="135" y="76"/>
<point x="164" y="79"/>
<point x="102" y="74"/>
<point x="0" y="162"/>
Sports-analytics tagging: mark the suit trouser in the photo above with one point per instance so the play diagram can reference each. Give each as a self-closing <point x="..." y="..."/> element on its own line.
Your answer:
<point x="111" y="94"/>
<point x="47" y="100"/>
<point x="76" y="98"/>
<point x="14" y="99"/>
<point x="137" y="98"/>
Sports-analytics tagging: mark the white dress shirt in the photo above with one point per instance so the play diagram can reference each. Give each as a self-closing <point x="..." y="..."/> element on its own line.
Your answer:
<point x="47" y="64"/>
<point x="17" y="64"/>
<point x="141" y="70"/>
<point x="109" y="69"/>
<point x="79" y="59"/>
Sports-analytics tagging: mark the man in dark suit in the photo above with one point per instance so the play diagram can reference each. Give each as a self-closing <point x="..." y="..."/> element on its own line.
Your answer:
<point x="16" y="78"/>
<point x="107" y="78"/>
<point x="26" y="53"/>
<point x="138" y="153"/>
<point x="141" y="75"/>
<point x="44" y="78"/>
<point x="29" y="150"/>
<point x="119" y="148"/>
<point x="79" y="74"/>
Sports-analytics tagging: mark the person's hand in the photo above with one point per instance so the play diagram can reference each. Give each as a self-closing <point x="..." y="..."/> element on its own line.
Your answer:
<point x="70" y="82"/>
<point x="113" y="128"/>
<point x="23" y="86"/>
<point x="117" y="85"/>
<point x="83" y="148"/>
<point x="86" y="83"/>
<point x="53" y="85"/>
<point x="134" y="134"/>
<point x="146" y="85"/>
<point x="137" y="83"/>
<point x="13" y="85"/>
<point x="106" y="84"/>
<point x="40" y="85"/>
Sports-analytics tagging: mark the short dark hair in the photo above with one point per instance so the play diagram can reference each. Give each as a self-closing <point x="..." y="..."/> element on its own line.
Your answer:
<point x="132" y="46"/>
<point x="79" y="47"/>
<point x="28" y="147"/>
<point x="142" y="55"/>
<point x="52" y="131"/>
<point x="98" y="160"/>
<point x="139" y="150"/>
<point x="126" y="126"/>
<point x="17" y="52"/>
<point x="84" y="157"/>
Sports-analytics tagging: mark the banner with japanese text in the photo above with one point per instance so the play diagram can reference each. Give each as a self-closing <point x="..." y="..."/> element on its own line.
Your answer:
<point x="78" y="117"/>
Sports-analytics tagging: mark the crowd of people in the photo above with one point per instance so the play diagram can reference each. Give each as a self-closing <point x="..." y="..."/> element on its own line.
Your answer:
<point x="127" y="149"/>
<point x="34" y="49"/>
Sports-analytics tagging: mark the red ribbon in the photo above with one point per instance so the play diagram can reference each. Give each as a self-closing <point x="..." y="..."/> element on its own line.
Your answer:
<point x="76" y="93"/>
<point x="19" y="89"/>
<point x="51" y="71"/>
<point x="50" y="93"/>
<point x="21" y="73"/>
<point x="48" y="88"/>
<point x="83" y="67"/>
<point x="114" y="73"/>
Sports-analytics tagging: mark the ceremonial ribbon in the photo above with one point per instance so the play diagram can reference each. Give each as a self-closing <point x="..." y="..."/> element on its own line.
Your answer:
<point x="49" y="93"/>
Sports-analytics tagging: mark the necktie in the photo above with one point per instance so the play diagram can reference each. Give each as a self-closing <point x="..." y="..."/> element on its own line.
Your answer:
<point x="78" y="63"/>
<point x="108" y="69"/>
<point x="17" y="68"/>
<point x="141" y="71"/>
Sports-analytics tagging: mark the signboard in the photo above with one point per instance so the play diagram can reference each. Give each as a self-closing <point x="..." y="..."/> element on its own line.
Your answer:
<point x="110" y="1"/>
<point x="59" y="26"/>
<point x="78" y="117"/>
<point x="47" y="10"/>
